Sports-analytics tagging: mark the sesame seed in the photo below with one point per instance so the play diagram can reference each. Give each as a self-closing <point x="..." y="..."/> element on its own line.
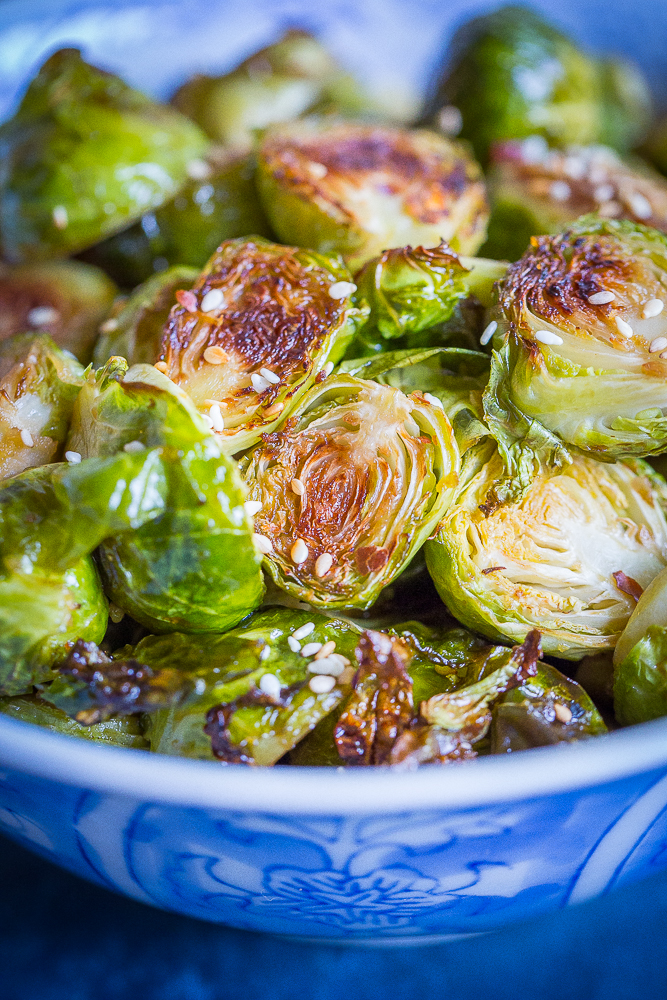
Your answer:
<point x="450" y="120"/>
<point x="433" y="400"/>
<point x="216" y="417"/>
<point x="317" y="170"/>
<point x="269" y="376"/>
<point x="562" y="713"/>
<point x="488" y="333"/>
<point x="60" y="217"/>
<point x="601" y="298"/>
<point x="298" y="487"/>
<point x="560" y="190"/>
<point x="323" y="564"/>
<point x="326" y="649"/>
<point x="41" y="315"/>
<point x="347" y="675"/>
<point x="73" y="457"/>
<point x="604" y="192"/>
<point x="259" y="384"/>
<point x="215" y="355"/>
<point x="265" y="653"/>
<point x="638" y="204"/>
<point x="116" y="614"/>
<point x="293" y="644"/>
<point x="304" y="630"/>
<point x="547" y="337"/>
<point x="321" y="683"/>
<point x="311" y="648"/>
<point x="253" y="507"/>
<point x="330" y="665"/>
<point x="534" y="149"/>
<point x="341" y="289"/>
<point x="109" y="326"/>
<point x="187" y="299"/>
<point x="328" y="368"/>
<point x="624" y="327"/>
<point x="659" y="344"/>
<point x="575" y="167"/>
<point x="270" y="685"/>
<point x="198" y="170"/>
<point x="275" y="409"/>
<point x="26" y="437"/>
<point x="134" y="447"/>
<point x="264" y="544"/>
<point x="609" y="209"/>
<point x="653" y="308"/>
<point x="213" y="300"/>
<point x="663" y="356"/>
<point x="299" y="552"/>
<point x="161" y="366"/>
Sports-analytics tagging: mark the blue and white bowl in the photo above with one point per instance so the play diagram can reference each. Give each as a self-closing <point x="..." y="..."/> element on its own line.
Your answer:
<point x="349" y="856"/>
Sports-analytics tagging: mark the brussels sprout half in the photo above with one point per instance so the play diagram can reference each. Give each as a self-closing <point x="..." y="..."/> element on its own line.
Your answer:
<point x="261" y="324"/>
<point x="126" y="732"/>
<point x="565" y="559"/>
<point x="84" y="156"/>
<point x="584" y="356"/>
<point x="349" y="488"/>
<point x="358" y="189"/>
<point x="195" y="568"/>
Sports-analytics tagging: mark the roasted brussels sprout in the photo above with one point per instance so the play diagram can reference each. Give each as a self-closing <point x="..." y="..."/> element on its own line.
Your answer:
<point x="261" y="324"/>
<point x="534" y="190"/>
<point x="126" y="732"/>
<point x="358" y="189"/>
<point x="84" y="156"/>
<point x="38" y="386"/>
<point x="510" y="74"/>
<point x="565" y="559"/>
<point x="64" y="298"/>
<point x="651" y="609"/>
<point x="217" y="203"/>
<point x="293" y="76"/>
<point x="583" y="357"/>
<point x="349" y="488"/>
<point x="640" y="658"/>
<point x="195" y="569"/>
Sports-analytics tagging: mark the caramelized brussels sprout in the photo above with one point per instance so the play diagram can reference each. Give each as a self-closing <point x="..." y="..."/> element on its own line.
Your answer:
<point x="218" y="202"/>
<point x="293" y="76"/>
<point x="509" y="74"/>
<point x="261" y="324"/>
<point x="84" y="156"/>
<point x="194" y="568"/>
<point x="64" y="298"/>
<point x="349" y="488"/>
<point x="651" y="609"/>
<point x="358" y="189"/>
<point x="565" y="559"/>
<point x="640" y="679"/>
<point x="585" y="356"/>
<point x="124" y="732"/>
<point x="39" y="384"/>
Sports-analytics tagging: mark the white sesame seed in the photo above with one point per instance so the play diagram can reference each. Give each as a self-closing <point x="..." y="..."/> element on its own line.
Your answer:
<point x="450" y="120"/>
<point x="269" y="376"/>
<point x="560" y="191"/>
<point x="328" y="368"/>
<point x="562" y="713"/>
<point x="217" y="418"/>
<point x="262" y="543"/>
<point x="214" y="299"/>
<point x="624" y="327"/>
<point x="575" y="167"/>
<point x="334" y="665"/>
<point x="293" y="644"/>
<point x="270" y="685"/>
<point x="433" y="400"/>
<point x="663" y="356"/>
<point x="304" y="630"/>
<point x="134" y="447"/>
<point x="547" y="337"/>
<point x="321" y="683"/>
<point x="298" y="487"/>
<point x="638" y="204"/>
<point x="299" y="552"/>
<point x="259" y="383"/>
<point x="326" y="650"/>
<point x="109" y="326"/>
<point x="601" y="298"/>
<point x="488" y="333"/>
<point x="265" y="653"/>
<point x="609" y="209"/>
<point x="311" y="648"/>
<point x="653" y="308"/>
<point x="341" y="289"/>
<point x="198" y="170"/>
<point x="60" y="217"/>
<point x="73" y="457"/>
<point x="323" y="564"/>
<point x="26" y="437"/>
<point x="604" y="192"/>
<point x="42" y="315"/>
<point x="659" y="344"/>
<point x="534" y="149"/>
<point x="253" y="507"/>
<point x="317" y="170"/>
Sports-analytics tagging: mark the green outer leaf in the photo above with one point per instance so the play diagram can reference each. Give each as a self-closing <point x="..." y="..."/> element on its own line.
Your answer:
<point x="124" y="732"/>
<point x="640" y="681"/>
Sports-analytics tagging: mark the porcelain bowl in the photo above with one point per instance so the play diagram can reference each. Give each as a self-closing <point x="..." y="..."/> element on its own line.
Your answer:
<point x="345" y="856"/>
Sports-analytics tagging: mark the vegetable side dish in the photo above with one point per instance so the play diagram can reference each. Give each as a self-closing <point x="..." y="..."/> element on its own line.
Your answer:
<point x="318" y="444"/>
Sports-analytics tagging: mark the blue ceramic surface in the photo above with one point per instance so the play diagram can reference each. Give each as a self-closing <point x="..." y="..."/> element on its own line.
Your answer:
<point x="388" y="858"/>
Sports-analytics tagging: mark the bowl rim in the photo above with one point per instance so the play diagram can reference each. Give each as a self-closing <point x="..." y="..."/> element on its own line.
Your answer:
<point x="158" y="778"/>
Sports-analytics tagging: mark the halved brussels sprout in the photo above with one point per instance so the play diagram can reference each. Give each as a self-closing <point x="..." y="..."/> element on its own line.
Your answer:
<point x="535" y="190"/>
<point x="218" y="202"/>
<point x="349" y="488"/>
<point x="640" y="679"/>
<point x="651" y="609"/>
<point x="84" y="156"/>
<point x="261" y="324"/>
<point x="64" y="298"/>
<point x="125" y="732"/>
<point x="194" y="569"/>
<point x="358" y="189"/>
<point x="293" y="76"/>
<point x="510" y="74"/>
<point x="563" y="559"/>
<point x="585" y="352"/>
<point x="39" y="384"/>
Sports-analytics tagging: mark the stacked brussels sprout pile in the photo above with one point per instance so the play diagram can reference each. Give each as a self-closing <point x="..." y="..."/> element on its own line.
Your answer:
<point x="333" y="490"/>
